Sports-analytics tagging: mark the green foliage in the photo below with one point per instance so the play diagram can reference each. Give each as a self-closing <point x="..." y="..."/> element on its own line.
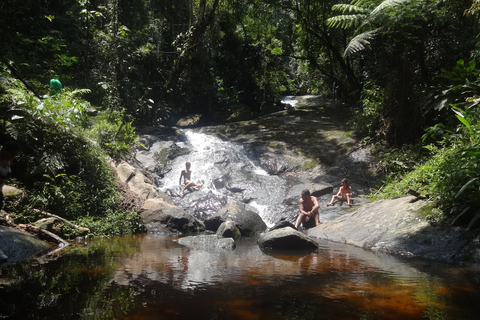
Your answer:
<point x="369" y="119"/>
<point x="115" y="135"/>
<point x="64" y="170"/>
<point x="112" y="224"/>
<point x="450" y="174"/>
<point x="364" y="15"/>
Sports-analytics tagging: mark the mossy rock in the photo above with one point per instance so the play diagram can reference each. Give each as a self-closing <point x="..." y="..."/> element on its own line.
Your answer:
<point x="190" y="120"/>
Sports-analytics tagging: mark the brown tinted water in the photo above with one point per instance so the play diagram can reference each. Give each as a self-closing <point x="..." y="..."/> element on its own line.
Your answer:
<point x="153" y="277"/>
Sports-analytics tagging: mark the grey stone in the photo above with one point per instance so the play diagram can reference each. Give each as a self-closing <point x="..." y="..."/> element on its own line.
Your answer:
<point x="248" y="221"/>
<point x="228" y="229"/>
<point x="396" y="227"/>
<point x="19" y="245"/>
<point x="286" y="239"/>
<point x="159" y="216"/>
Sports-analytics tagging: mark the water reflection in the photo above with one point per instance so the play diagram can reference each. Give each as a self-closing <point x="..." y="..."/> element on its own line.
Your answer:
<point x="153" y="277"/>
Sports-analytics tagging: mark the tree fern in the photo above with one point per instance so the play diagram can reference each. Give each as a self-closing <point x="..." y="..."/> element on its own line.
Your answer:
<point x="346" y="21"/>
<point x="360" y="42"/>
<point x="388" y="4"/>
<point x="363" y="15"/>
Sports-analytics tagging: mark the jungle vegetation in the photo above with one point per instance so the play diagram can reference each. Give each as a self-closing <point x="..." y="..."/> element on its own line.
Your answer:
<point x="408" y="68"/>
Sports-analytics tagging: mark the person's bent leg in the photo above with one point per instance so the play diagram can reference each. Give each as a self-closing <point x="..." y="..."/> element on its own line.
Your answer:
<point x="348" y="199"/>
<point x="333" y="200"/>
<point x="299" y="220"/>
<point x="317" y="218"/>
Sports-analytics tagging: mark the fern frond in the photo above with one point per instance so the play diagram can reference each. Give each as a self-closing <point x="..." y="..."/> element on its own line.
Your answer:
<point x="349" y="8"/>
<point x="346" y="21"/>
<point x="360" y="42"/>
<point x="388" y="4"/>
<point x="366" y="3"/>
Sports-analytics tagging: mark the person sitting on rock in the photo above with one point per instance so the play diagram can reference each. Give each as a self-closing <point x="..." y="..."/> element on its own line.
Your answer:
<point x="186" y="174"/>
<point x="344" y="194"/>
<point x="308" y="206"/>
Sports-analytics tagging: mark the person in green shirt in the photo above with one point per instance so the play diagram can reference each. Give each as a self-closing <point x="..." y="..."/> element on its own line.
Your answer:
<point x="55" y="86"/>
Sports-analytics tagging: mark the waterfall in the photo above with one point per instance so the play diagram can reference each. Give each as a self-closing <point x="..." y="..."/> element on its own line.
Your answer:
<point x="225" y="169"/>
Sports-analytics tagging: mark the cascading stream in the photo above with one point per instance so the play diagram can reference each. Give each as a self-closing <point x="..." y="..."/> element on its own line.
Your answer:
<point x="225" y="170"/>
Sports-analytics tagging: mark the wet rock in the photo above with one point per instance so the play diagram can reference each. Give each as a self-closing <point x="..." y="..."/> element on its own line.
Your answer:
<point x="273" y="165"/>
<point x="204" y="206"/>
<point x="282" y="224"/>
<point x="247" y="220"/>
<point x="139" y="182"/>
<point x="159" y="216"/>
<point x="228" y="229"/>
<point x="316" y="186"/>
<point x="286" y="239"/>
<point x="208" y="242"/>
<point x="190" y="120"/>
<point x="242" y="113"/>
<point x="397" y="227"/>
<point x="19" y="245"/>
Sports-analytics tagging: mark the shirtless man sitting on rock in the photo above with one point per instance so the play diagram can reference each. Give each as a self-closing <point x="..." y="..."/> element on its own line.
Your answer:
<point x="309" y="215"/>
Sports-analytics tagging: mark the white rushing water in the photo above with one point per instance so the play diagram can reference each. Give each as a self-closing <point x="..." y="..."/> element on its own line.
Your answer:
<point x="212" y="158"/>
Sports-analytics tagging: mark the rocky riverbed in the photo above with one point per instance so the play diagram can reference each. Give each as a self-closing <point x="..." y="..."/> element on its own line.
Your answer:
<point x="303" y="146"/>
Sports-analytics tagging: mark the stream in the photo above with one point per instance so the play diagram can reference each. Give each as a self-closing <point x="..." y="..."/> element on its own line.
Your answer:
<point x="152" y="276"/>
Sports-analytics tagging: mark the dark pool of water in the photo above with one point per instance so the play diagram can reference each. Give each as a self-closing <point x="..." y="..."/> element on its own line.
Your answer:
<point x="153" y="277"/>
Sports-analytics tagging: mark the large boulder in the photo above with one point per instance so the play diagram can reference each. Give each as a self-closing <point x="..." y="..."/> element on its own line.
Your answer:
<point x="160" y="216"/>
<point x="398" y="227"/>
<point x="282" y="224"/>
<point x="286" y="239"/>
<point x="139" y="182"/>
<point x="18" y="245"/>
<point x="247" y="220"/>
<point x="12" y="192"/>
<point x="208" y="242"/>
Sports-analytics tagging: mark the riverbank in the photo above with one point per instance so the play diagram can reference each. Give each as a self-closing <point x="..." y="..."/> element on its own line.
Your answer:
<point x="307" y="146"/>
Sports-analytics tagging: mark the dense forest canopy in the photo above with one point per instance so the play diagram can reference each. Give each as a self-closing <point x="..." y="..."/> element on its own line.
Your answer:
<point x="406" y="66"/>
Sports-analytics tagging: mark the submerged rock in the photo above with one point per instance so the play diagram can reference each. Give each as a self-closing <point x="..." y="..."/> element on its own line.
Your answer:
<point x="208" y="242"/>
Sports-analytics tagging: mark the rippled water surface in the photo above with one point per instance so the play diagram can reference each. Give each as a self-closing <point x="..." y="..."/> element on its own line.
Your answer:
<point x="153" y="277"/>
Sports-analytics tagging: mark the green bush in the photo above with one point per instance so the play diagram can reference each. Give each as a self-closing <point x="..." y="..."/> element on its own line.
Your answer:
<point x="64" y="165"/>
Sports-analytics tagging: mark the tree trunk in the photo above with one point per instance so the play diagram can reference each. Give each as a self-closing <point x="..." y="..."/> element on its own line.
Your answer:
<point x="205" y="18"/>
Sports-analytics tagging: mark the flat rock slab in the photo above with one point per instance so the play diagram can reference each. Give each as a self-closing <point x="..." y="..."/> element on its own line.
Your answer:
<point x="394" y="226"/>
